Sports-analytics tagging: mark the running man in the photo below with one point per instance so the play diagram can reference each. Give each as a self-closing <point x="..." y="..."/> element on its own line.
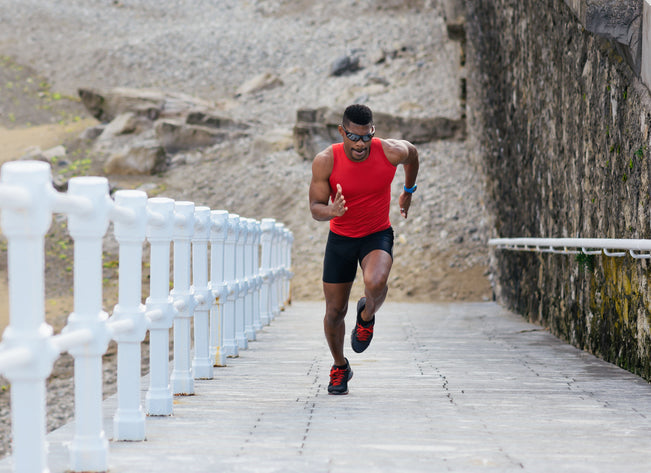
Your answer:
<point x="351" y="188"/>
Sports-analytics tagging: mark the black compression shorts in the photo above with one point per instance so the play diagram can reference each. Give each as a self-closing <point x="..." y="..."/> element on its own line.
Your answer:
<point x="342" y="254"/>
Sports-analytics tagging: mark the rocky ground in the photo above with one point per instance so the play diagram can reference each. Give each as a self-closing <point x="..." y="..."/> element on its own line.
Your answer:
<point x="409" y="68"/>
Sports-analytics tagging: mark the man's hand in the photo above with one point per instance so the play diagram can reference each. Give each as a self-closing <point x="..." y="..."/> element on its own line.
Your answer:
<point x="405" y="201"/>
<point x="339" y="204"/>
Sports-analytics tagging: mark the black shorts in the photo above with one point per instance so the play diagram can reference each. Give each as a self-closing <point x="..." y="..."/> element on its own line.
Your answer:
<point x="342" y="254"/>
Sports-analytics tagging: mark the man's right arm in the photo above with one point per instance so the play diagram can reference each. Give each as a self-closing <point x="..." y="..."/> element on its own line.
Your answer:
<point x="320" y="189"/>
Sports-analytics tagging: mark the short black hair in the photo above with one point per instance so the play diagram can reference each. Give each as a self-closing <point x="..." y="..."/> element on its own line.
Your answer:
<point x="358" y="114"/>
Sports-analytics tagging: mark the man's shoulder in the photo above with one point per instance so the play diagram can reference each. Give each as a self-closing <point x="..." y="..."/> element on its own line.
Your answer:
<point x="395" y="150"/>
<point x="325" y="155"/>
<point x="323" y="162"/>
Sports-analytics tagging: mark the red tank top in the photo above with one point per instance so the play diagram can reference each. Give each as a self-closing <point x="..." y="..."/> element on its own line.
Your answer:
<point x="366" y="186"/>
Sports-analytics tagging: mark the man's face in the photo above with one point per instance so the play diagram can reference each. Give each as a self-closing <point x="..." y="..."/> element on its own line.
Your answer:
<point x="360" y="149"/>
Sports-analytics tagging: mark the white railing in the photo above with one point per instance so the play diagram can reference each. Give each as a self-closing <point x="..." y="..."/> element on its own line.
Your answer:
<point x="638" y="249"/>
<point x="231" y="297"/>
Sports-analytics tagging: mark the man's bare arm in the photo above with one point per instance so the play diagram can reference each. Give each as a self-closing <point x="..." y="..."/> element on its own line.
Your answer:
<point x="405" y="153"/>
<point x="320" y="189"/>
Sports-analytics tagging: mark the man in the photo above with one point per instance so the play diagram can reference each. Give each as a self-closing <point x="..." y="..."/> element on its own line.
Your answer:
<point x="351" y="188"/>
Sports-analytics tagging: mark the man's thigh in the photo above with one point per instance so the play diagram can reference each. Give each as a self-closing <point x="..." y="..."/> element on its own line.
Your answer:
<point x="340" y="259"/>
<point x="376" y="267"/>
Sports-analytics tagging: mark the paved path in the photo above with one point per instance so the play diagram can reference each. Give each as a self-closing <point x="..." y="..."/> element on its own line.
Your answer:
<point x="461" y="387"/>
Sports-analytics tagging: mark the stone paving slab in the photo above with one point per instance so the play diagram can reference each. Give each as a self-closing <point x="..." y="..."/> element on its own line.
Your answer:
<point x="443" y="387"/>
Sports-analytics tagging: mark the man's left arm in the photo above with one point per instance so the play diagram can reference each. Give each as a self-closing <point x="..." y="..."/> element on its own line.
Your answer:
<point x="405" y="153"/>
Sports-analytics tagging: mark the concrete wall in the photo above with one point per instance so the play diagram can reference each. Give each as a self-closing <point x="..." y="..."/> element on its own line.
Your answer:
<point x="560" y="116"/>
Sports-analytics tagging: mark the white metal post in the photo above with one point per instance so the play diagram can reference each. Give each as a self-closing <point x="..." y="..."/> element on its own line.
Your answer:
<point x="218" y="286"/>
<point x="160" y="231"/>
<point x="24" y="224"/>
<point x="277" y="269"/>
<point x="280" y="263"/>
<point x="249" y="331"/>
<point x="230" y="342"/>
<point x="289" y="240"/>
<point x="129" y="419"/>
<point x="201" y="363"/>
<point x="240" y="311"/>
<point x="89" y="448"/>
<point x="182" y="380"/>
<point x="267" y="226"/>
<point x="255" y="268"/>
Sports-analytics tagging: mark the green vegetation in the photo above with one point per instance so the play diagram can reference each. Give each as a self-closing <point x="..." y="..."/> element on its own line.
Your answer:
<point x="79" y="167"/>
<point x="586" y="262"/>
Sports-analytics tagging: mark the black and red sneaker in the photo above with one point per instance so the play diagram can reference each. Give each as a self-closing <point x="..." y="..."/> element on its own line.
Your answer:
<point x="362" y="334"/>
<point x="339" y="378"/>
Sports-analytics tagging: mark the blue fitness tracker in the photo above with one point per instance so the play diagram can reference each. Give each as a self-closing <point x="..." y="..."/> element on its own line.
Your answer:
<point x="410" y="190"/>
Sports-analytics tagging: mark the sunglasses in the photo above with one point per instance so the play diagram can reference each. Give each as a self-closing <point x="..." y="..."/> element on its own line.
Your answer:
<point x="356" y="138"/>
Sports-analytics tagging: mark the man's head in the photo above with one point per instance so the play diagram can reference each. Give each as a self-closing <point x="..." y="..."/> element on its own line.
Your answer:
<point x="357" y="114"/>
<point x="357" y="129"/>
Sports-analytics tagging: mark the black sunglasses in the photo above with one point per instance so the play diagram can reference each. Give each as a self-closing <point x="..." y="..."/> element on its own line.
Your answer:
<point x="356" y="138"/>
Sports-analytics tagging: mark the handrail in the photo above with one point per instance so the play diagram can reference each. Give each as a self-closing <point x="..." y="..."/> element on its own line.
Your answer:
<point x="576" y="245"/>
<point x="230" y="293"/>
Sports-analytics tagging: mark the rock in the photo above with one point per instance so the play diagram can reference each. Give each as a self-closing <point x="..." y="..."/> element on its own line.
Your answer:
<point x="346" y="64"/>
<point x="212" y="120"/>
<point x="319" y="133"/>
<point x="90" y="134"/>
<point x="175" y="121"/>
<point x="259" y="83"/>
<point x="105" y="106"/>
<point x="148" y="157"/>
<point x="378" y="80"/>
<point x="180" y="105"/>
<point x="401" y="4"/>
<point x="175" y="135"/>
<point x="455" y="21"/>
<point x="151" y="104"/>
<point x="309" y="140"/>
<point x="316" y="129"/>
<point x="33" y="153"/>
<point x="617" y="21"/>
<point x="419" y="130"/>
<point x="178" y="160"/>
<point x="123" y="124"/>
<point x="60" y="183"/>
<point x="148" y="187"/>
<point x="273" y="141"/>
<point x="56" y="152"/>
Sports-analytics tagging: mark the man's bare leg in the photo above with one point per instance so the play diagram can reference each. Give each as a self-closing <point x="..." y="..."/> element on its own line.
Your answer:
<point x="376" y="267"/>
<point x="336" y="296"/>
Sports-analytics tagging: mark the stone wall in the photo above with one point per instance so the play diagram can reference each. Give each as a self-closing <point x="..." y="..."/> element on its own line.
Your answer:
<point x="560" y="120"/>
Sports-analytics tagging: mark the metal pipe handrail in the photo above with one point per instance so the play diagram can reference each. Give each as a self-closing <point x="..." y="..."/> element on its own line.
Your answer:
<point x="14" y="357"/>
<point x="576" y="245"/>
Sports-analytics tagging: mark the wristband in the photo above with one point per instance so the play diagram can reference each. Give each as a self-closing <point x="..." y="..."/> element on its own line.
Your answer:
<point x="410" y="190"/>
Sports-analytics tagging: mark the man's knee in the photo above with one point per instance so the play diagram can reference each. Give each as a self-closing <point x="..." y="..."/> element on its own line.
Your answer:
<point x="335" y="314"/>
<point x="376" y="283"/>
